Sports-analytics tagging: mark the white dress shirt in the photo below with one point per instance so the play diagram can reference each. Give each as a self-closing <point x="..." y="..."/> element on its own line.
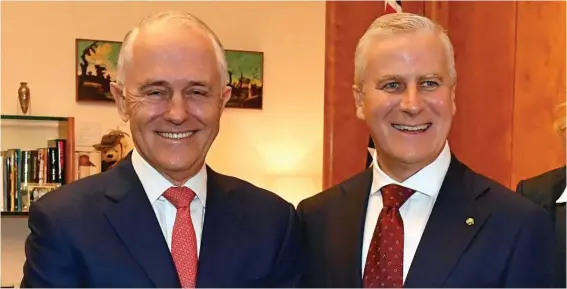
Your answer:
<point x="415" y="211"/>
<point x="155" y="185"/>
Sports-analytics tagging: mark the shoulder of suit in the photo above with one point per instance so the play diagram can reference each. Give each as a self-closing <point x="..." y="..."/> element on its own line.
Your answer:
<point x="545" y="180"/>
<point x="74" y="197"/>
<point x="544" y="187"/>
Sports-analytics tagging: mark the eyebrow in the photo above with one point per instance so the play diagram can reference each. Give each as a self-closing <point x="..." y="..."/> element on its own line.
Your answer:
<point x="431" y="75"/>
<point x="390" y="77"/>
<point x="398" y="77"/>
<point x="150" y="83"/>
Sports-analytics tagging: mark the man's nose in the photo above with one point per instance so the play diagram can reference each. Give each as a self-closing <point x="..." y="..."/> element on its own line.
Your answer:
<point x="176" y="109"/>
<point x="412" y="102"/>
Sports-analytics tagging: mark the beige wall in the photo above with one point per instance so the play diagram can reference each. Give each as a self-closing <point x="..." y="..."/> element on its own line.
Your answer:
<point x="279" y="147"/>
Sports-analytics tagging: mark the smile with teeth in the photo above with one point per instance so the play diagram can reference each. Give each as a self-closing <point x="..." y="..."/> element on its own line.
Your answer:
<point x="412" y="128"/>
<point x="174" y="135"/>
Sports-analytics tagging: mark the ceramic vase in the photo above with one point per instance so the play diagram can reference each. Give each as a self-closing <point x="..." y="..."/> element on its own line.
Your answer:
<point x="24" y="97"/>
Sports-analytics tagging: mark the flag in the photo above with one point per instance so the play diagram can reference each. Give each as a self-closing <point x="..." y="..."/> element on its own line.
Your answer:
<point x="392" y="6"/>
<point x="389" y="7"/>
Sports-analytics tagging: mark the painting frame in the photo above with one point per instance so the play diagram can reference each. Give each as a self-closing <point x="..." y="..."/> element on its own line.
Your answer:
<point x="252" y="76"/>
<point x="97" y="87"/>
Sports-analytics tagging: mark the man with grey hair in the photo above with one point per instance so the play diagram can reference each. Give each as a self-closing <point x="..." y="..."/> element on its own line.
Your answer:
<point x="418" y="217"/>
<point x="162" y="217"/>
<point x="548" y="191"/>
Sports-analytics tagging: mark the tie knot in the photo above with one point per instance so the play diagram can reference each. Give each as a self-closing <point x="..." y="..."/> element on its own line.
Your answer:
<point x="180" y="197"/>
<point x="394" y="196"/>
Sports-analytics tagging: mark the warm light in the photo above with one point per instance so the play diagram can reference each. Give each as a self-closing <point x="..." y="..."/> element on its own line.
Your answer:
<point x="293" y="188"/>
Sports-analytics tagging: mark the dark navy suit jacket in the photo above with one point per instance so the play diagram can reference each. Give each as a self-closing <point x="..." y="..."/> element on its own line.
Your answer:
<point x="510" y="243"/>
<point x="544" y="190"/>
<point x="101" y="231"/>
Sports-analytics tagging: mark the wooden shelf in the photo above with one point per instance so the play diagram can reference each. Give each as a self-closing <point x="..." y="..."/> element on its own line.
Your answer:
<point x="69" y="126"/>
<point x="14" y="214"/>
<point x="33" y="117"/>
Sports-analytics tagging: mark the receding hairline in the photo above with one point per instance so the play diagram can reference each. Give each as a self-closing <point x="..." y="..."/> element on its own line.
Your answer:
<point x="167" y="18"/>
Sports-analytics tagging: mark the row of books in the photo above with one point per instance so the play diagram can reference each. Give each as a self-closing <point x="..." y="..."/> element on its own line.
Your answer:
<point x="27" y="175"/>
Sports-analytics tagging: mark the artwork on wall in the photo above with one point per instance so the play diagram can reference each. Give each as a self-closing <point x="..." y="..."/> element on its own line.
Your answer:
<point x="96" y="62"/>
<point x="87" y="163"/>
<point x="245" y="76"/>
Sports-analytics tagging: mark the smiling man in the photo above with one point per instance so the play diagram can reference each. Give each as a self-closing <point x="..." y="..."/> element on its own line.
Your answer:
<point x="419" y="217"/>
<point x="161" y="217"/>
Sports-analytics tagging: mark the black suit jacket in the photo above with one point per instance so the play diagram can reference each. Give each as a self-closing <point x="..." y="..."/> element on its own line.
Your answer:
<point x="544" y="190"/>
<point x="506" y="247"/>
<point x="101" y="231"/>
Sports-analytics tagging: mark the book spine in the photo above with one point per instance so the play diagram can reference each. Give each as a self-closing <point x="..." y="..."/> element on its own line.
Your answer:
<point x="35" y="166"/>
<point x="42" y="158"/>
<point x="59" y="145"/>
<point x="27" y="169"/>
<point x="52" y="165"/>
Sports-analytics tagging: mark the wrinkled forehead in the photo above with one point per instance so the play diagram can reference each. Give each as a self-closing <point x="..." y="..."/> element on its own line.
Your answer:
<point x="410" y="53"/>
<point x="181" y="52"/>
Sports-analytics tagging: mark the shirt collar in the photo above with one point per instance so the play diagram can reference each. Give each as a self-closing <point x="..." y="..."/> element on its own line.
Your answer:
<point x="426" y="181"/>
<point x="155" y="184"/>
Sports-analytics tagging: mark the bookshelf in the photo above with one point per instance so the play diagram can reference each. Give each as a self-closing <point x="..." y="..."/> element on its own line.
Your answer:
<point x="26" y="134"/>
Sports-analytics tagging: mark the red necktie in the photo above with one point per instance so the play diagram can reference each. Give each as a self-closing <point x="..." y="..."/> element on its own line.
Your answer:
<point x="384" y="262"/>
<point x="183" y="241"/>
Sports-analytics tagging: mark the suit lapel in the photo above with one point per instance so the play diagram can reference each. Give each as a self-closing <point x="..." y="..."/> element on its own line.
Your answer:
<point x="348" y="216"/>
<point x="447" y="235"/>
<point x="130" y="213"/>
<point x="222" y="230"/>
<point x="555" y="191"/>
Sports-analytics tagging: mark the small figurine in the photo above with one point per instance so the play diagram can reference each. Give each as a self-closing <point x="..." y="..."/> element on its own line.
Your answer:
<point x="85" y="165"/>
<point x="113" y="147"/>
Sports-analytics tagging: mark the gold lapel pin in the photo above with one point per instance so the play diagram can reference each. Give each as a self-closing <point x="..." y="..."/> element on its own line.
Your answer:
<point x="470" y="221"/>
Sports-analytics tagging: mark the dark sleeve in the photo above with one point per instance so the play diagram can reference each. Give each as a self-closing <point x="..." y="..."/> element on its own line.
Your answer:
<point x="531" y="262"/>
<point x="288" y="267"/>
<point x="49" y="261"/>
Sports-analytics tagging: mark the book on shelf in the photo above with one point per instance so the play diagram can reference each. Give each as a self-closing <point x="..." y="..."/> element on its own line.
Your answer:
<point x="28" y="174"/>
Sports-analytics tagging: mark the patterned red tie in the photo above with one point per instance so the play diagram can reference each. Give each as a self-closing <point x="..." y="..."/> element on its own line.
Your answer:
<point x="384" y="262"/>
<point x="183" y="241"/>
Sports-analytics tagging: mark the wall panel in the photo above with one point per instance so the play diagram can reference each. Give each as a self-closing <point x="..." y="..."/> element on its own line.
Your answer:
<point x="484" y="35"/>
<point x="539" y="87"/>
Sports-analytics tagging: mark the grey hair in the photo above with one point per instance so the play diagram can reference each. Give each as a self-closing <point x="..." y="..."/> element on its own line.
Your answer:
<point x="182" y="18"/>
<point x="395" y="24"/>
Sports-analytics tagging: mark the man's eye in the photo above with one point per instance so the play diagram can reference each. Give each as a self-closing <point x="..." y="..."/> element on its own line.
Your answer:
<point x="198" y="93"/>
<point x="430" y="83"/>
<point x="155" y="93"/>
<point x="392" y="85"/>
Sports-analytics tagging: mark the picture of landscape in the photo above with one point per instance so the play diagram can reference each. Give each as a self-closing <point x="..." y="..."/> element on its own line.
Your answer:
<point x="96" y="68"/>
<point x="245" y="76"/>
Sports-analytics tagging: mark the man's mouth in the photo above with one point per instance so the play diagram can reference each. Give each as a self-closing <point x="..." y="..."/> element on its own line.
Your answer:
<point x="412" y="128"/>
<point x="176" y="135"/>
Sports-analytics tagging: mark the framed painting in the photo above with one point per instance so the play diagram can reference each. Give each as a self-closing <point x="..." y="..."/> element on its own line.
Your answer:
<point x="87" y="163"/>
<point x="95" y="65"/>
<point x="246" y="78"/>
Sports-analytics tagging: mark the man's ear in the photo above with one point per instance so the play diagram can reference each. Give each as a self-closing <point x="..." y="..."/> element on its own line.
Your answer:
<point x="118" y="94"/>
<point x="453" y="94"/>
<point x="226" y="93"/>
<point x="358" y="102"/>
